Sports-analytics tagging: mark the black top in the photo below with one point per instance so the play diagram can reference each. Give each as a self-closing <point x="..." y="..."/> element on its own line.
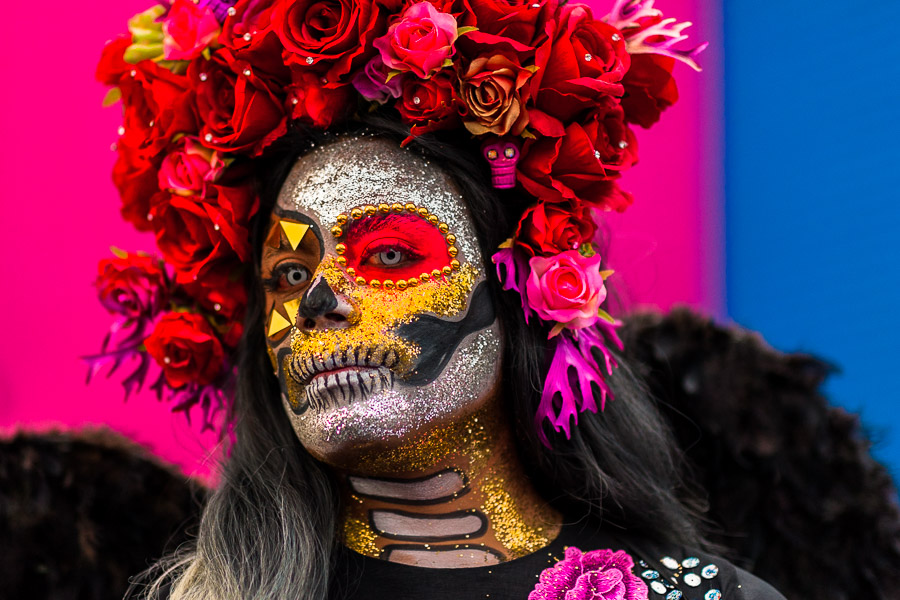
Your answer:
<point x="669" y="572"/>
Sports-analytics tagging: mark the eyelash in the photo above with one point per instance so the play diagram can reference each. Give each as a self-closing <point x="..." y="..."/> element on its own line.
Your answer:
<point x="384" y="245"/>
<point x="272" y="283"/>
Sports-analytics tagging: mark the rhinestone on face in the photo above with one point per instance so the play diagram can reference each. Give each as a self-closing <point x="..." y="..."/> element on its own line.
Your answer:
<point x="650" y="574"/>
<point x="709" y="571"/>
<point x="674" y="595"/>
<point x="692" y="579"/>
<point x="669" y="562"/>
<point x="690" y="562"/>
<point x="713" y="595"/>
<point x="658" y="587"/>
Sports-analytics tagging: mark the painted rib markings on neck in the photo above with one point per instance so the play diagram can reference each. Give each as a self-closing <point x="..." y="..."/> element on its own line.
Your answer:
<point x="415" y="527"/>
<point x="432" y="489"/>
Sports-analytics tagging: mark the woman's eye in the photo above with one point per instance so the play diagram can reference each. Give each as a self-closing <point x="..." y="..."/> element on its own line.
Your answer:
<point x="294" y="275"/>
<point x="390" y="257"/>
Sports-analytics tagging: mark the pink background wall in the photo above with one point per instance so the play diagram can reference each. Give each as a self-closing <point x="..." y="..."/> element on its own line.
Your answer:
<point x="60" y="216"/>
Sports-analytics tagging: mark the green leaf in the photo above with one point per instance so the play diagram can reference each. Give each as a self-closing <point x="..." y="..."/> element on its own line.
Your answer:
<point x="465" y="30"/>
<point x="586" y="250"/>
<point x="118" y="252"/>
<point x="111" y="97"/>
<point x="605" y="316"/>
<point x="391" y="74"/>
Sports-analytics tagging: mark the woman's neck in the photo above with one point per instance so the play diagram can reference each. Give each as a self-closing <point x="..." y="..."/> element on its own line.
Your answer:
<point x="455" y="497"/>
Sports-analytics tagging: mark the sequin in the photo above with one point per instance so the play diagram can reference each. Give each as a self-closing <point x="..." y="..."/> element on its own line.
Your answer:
<point x="658" y="587"/>
<point x="713" y="595"/>
<point x="650" y="574"/>
<point x="692" y="579"/>
<point x="674" y="595"/>
<point x="709" y="571"/>
<point x="690" y="562"/>
<point x="669" y="562"/>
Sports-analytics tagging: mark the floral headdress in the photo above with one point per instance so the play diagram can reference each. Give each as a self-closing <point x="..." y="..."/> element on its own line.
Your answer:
<point x="547" y="91"/>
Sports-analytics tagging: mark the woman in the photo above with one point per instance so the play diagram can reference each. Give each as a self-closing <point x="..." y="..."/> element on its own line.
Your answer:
<point x="392" y="394"/>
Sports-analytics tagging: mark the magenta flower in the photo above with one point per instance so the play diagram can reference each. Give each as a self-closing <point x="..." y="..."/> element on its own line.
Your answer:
<point x="188" y="30"/>
<point x="566" y="288"/>
<point x="372" y="83"/>
<point x="594" y="575"/>
<point x="420" y="41"/>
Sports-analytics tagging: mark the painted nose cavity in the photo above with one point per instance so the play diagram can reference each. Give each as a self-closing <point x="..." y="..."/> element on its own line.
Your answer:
<point x="321" y="308"/>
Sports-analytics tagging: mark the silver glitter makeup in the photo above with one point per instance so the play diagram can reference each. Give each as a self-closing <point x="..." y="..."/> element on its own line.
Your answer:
<point x="350" y="413"/>
<point x="373" y="170"/>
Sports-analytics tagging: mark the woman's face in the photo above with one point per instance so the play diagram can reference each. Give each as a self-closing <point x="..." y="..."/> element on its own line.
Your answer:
<point x="379" y="323"/>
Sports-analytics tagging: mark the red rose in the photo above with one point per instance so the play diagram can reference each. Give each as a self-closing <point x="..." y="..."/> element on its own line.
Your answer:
<point x="186" y="347"/>
<point x="311" y="100"/>
<point x="494" y="91"/>
<point x="158" y="106"/>
<point x="248" y="24"/>
<point x="428" y="104"/>
<point x="550" y="228"/>
<point x="649" y="88"/>
<point x="567" y="168"/>
<point x="586" y="60"/>
<point x="190" y="168"/>
<point x="112" y="66"/>
<point x="194" y="234"/>
<point x="519" y="20"/>
<point x="239" y="109"/>
<point x="134" y="286"/>
<point x="135" y="177"/>
<point x="615" y="145"/>
<point x="221" y="290"/>
<point x="329" y="37"/>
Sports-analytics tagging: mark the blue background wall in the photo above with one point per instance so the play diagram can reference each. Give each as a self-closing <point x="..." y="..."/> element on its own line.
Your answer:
<point x="812" y="94"/>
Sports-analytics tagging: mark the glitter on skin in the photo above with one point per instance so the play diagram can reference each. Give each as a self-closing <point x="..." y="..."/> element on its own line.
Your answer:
<point x="350" y="421"/>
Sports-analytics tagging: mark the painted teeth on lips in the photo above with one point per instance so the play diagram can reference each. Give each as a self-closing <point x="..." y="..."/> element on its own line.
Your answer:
<point x="305" y="369"/>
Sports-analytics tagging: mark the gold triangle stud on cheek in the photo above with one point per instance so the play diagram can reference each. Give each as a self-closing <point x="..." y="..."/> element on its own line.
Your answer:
<point x="277" y="324"/>
<point x="291" y="307"/>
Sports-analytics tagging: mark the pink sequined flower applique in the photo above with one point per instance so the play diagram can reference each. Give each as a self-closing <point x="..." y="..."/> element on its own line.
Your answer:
<point x="594" y="575"/>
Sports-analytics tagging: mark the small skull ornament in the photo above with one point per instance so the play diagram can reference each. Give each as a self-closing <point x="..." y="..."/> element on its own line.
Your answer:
<point x="502" y="155"/>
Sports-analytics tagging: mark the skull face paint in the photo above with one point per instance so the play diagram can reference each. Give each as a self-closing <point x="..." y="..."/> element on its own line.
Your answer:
<point x="380" y="324"/>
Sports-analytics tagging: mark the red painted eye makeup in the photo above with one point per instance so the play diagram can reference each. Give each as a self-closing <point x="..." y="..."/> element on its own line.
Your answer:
<point x="393" y="246"/>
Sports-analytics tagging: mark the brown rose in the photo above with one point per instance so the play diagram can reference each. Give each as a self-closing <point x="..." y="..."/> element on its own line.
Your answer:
<point x="494" y="91"/>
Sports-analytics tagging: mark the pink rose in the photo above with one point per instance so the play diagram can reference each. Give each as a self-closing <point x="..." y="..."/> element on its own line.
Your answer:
<point x="566" y="288"/>
<point x="420" y="41"/>
<point x="188" y="29"/>
<point x="371" y="81"/>
<point x="594" y="575"/>
<point x="187" y="171"/>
